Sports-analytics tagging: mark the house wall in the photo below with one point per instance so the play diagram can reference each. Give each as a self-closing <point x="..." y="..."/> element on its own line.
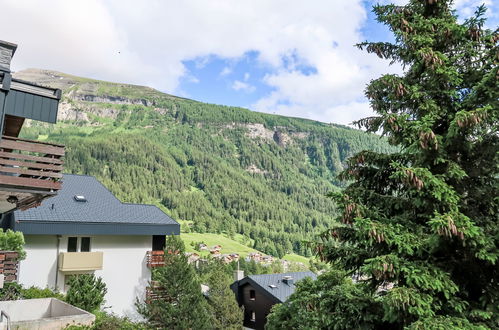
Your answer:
<point x="261" y="305"/>
<point x="124" y="267"/>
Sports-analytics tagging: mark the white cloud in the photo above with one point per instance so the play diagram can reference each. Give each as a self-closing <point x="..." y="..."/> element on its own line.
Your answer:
<point x="246" y="76"/>
<point x="147" y="42"/>
<point x="238" y="85"/>
<point x="225" y="71"/>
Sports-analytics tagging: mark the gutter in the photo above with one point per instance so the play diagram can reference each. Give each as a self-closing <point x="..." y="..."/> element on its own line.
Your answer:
<point x="57" y="261"/>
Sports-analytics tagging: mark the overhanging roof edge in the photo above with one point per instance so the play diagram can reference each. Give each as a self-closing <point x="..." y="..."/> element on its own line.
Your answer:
<point x="96" y="228"/>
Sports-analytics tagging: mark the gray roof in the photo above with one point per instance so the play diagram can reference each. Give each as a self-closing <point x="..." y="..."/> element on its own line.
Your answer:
<point x="282" y="290"/>
<point x="102" y="213"/>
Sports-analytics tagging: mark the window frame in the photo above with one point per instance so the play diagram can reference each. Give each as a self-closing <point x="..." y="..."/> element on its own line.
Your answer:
<point x="88" y="248"/>
<point x="78" y="243"/>
<point x="73" y="246"/>
<point x="252" y="295"/>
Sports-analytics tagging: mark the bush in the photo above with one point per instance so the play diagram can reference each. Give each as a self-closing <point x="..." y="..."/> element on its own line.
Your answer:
<point x="104" y="321"/>
<point x="12" y="241"/>
<point x="34" y="292"/>
<point x="86" y="292"/>
<point x="10" y="291"/>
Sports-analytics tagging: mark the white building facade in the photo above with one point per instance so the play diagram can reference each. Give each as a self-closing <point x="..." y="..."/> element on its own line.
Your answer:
<point x="124" y="283"/>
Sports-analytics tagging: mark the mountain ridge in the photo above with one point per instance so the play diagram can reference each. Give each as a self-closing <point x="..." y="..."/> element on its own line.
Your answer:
<point x="222" y="169"/>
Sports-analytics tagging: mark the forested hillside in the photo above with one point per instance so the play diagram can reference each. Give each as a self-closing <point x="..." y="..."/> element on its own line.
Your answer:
<point x="223" y="169"/>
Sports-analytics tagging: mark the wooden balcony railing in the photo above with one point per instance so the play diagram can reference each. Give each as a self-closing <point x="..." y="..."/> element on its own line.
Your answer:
<point x="155" y="258"/>
<point x="32" y="165"/>
<point x="154" y="292"/>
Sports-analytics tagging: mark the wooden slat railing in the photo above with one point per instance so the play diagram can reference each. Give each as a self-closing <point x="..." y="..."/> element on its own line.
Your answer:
<point x="155" y="258"/>
<point x="154" y="292"/>
<point x="33" y="165"/>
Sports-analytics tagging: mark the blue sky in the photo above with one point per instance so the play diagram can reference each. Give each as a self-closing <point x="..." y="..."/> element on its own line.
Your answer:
<point x="240" y="82"/>
<point x="288" y="57"/>
<point x="211" y="78"/>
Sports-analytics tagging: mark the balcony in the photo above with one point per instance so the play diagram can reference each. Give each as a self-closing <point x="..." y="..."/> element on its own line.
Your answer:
<point x="155" y="258"/>
<point x="30" y="171"/>
<point x="80" y="261"/>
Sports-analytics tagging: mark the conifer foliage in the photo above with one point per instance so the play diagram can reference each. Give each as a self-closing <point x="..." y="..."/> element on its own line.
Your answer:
<point x="423" y="219"/>
<point x="180" y="303"/>
<point x="223" y="304"/>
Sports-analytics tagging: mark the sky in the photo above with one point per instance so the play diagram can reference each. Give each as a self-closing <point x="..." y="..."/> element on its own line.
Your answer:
<point x="288" y="57"/>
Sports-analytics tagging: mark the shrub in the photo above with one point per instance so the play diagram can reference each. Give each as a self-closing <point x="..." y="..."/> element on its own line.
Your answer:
<point x="34" y="292"/>
<point x="12" y="241"/>
<point x="105" y="321"/>
<point x="10" y="291"/>
<point x="86" y="291"/>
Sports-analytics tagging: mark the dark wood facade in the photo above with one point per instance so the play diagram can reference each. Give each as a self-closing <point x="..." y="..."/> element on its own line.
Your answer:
<point x="256" y="304"/>
<point x="30" y="171"/>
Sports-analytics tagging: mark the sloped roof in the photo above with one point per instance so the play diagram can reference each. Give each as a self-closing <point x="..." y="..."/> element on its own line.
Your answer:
<point x="64" y="212"/>
<point x="279" y="290"/>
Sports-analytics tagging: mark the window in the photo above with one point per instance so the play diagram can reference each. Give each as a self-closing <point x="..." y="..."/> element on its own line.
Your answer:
<point x="158" y="242"/>
<point x="253" y="316"/>
<point x="85" y="244"/>
<point x="72" y="244"/>
<point x="252" y="294"/>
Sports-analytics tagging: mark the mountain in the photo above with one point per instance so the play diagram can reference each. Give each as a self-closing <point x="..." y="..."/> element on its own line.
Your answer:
<point x="215" y="168"/>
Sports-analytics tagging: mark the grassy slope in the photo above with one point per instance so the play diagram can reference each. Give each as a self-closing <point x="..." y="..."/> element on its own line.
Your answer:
<point x="228" y="245"/>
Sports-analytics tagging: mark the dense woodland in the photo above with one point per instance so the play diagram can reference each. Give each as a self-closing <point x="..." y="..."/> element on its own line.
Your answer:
<point x="202" y="163"/>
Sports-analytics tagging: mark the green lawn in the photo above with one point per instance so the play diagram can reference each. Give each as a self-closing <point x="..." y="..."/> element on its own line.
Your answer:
<point x="296" y="258"/>
<point x="228" y="245"/>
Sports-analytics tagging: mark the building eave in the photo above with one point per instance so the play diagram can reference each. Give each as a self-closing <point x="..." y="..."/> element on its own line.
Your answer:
<point x="92" y="228"/>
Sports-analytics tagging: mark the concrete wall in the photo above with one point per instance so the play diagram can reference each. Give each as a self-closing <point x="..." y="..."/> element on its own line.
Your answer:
<point x="46" y="313"/>
<point x="124" y="267"/>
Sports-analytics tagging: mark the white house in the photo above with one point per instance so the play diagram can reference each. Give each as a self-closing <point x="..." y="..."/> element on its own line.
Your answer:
<point x="86" y="229"/>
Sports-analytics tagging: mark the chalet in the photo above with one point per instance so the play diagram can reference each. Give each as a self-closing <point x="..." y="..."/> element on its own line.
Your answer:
<point x="255" y="256"/>
<point x="30" y="171"/>
<point x="258" y="293"/>
<point x="225" y="258"/>
<point x="192" y="257"/>
<point x="202" y="247"/>
<point x="267" y="259"/>
<point x="86" y="229"/>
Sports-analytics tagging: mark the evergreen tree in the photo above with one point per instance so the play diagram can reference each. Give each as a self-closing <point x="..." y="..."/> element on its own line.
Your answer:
<point x="224" y="307"/>
<point x="86" y="291"/>
<point x="424" y="219"/>
<point x="180" y="303"/>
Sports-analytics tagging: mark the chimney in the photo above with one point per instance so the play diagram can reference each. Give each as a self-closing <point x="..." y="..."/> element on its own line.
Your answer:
<point x="7" y="50"/>
<point x="238" y="275"/>
<point x="288" y="280"/>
